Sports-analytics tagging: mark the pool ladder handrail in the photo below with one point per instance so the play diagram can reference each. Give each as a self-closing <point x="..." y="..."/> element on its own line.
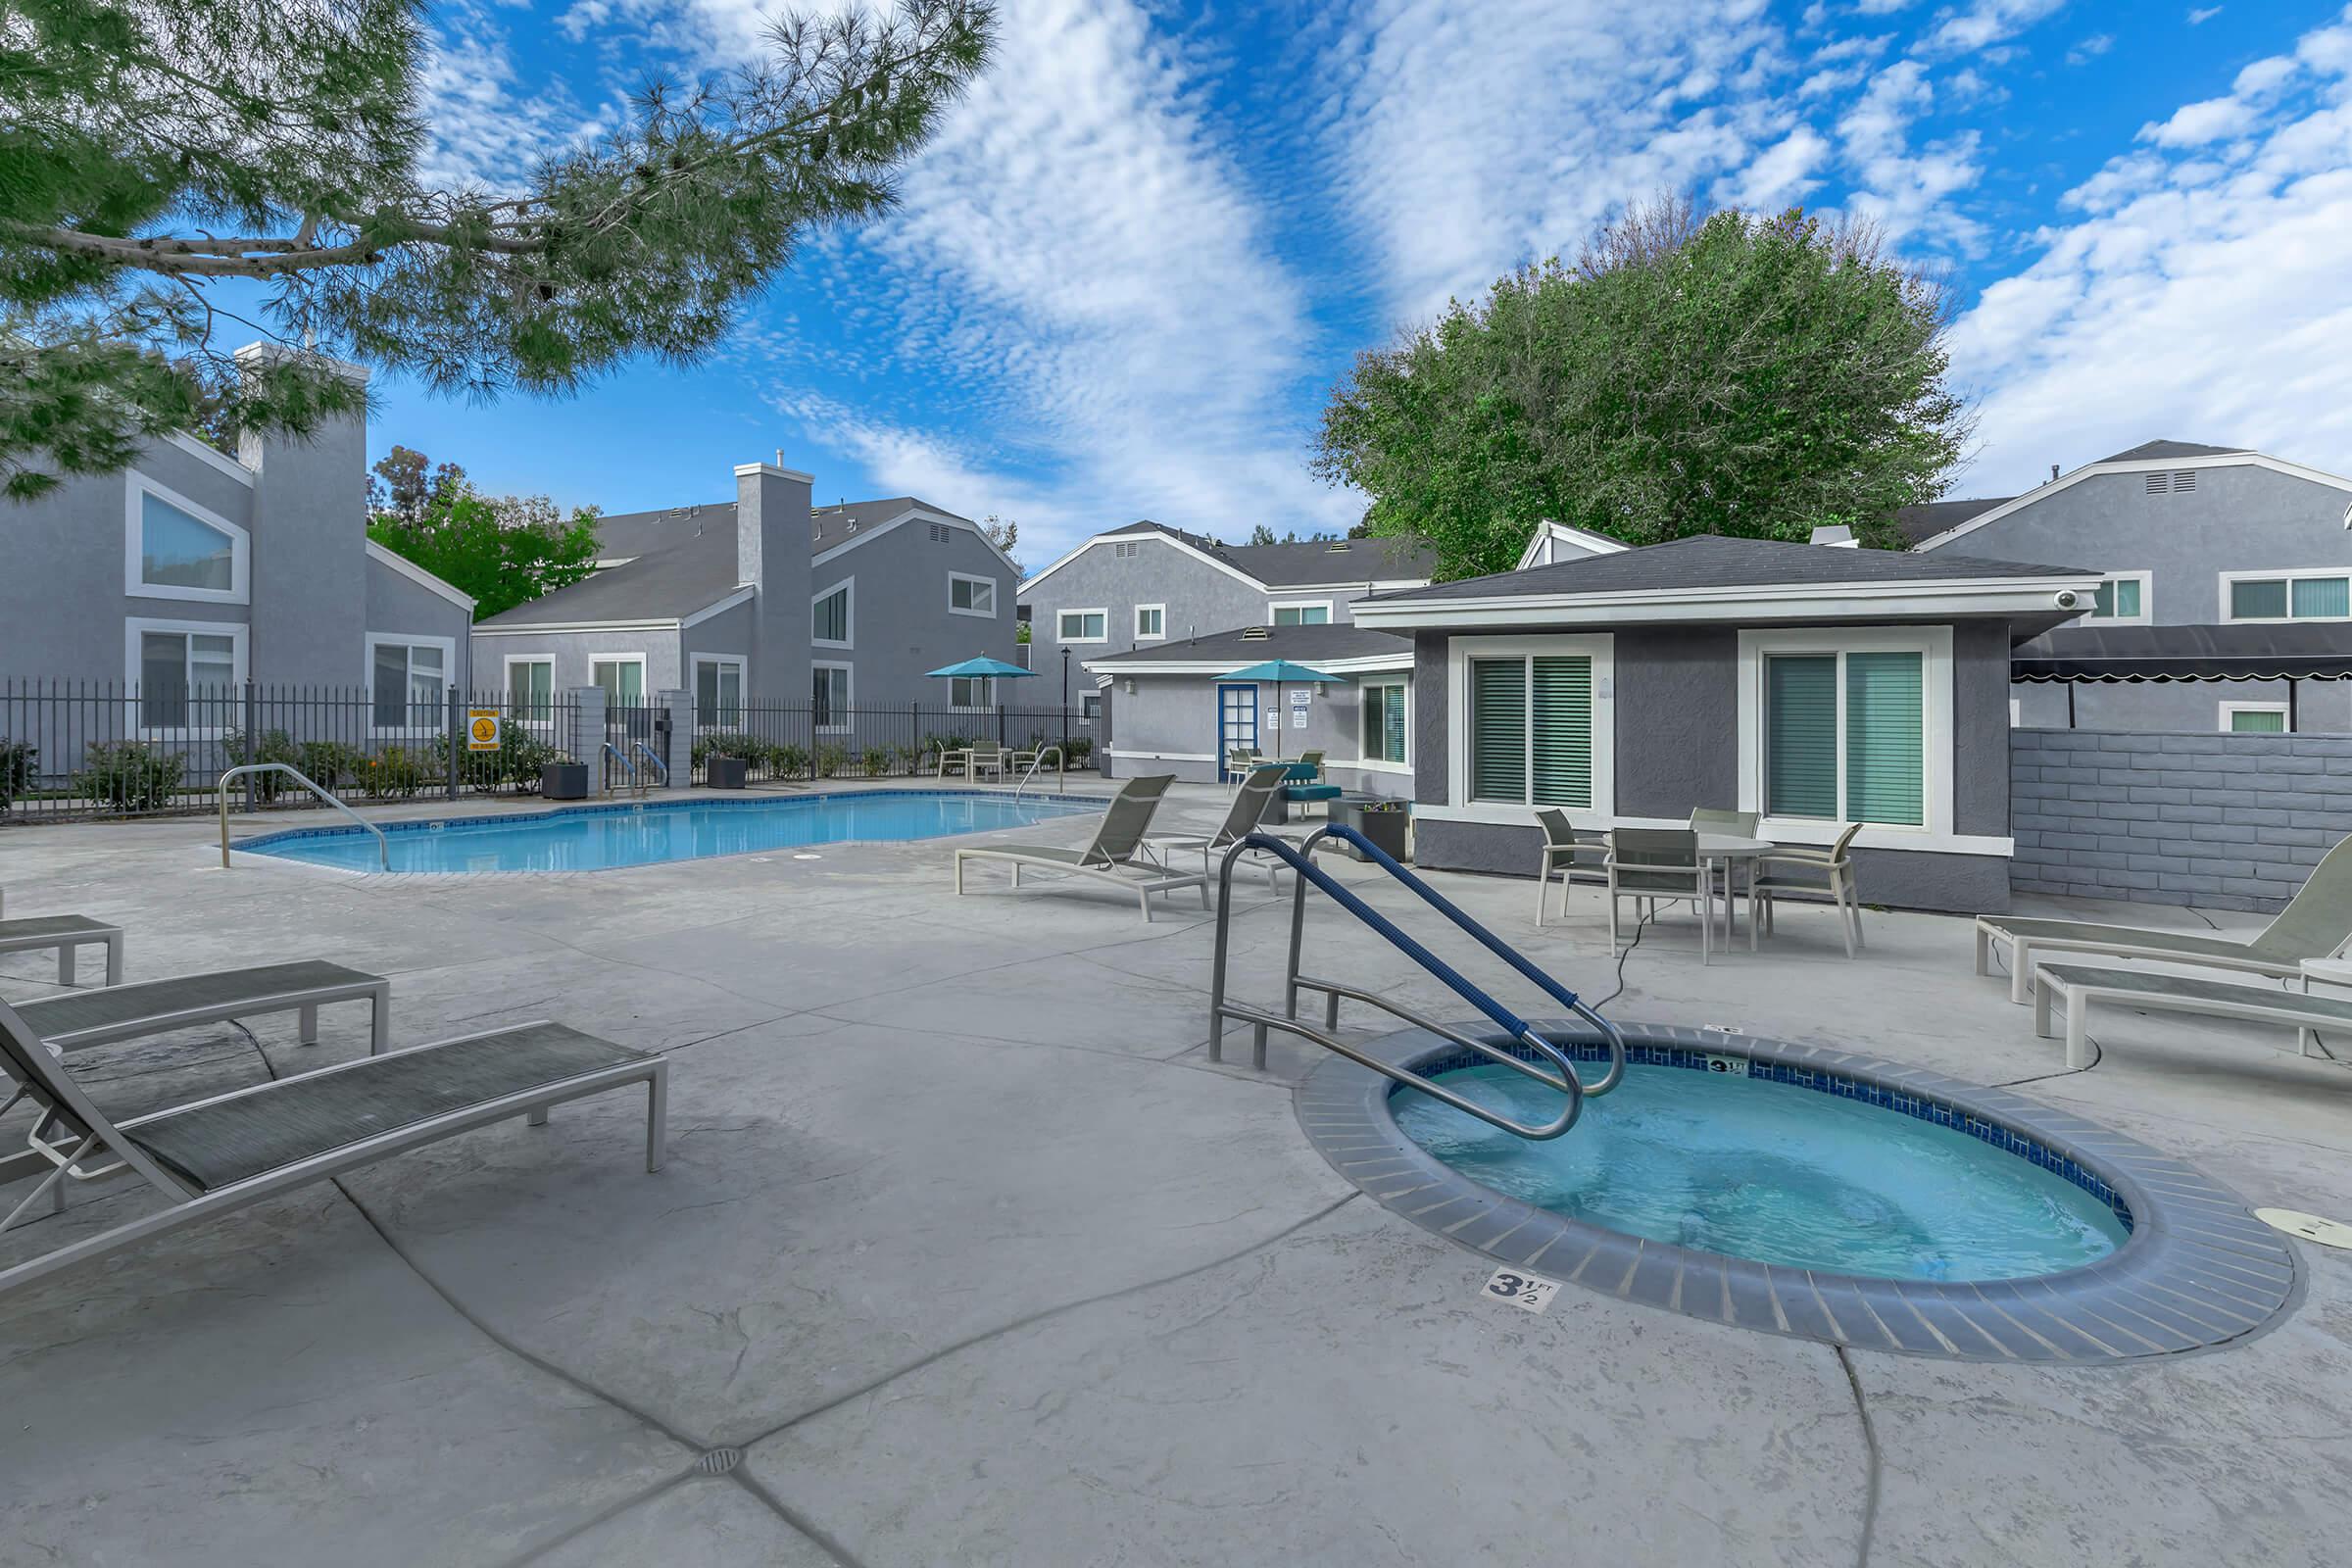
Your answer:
<point x="623" y="758"/>
<point x="1061" y="778"/>
<point x="659" y="766"/>
<point x="384" y="846"/>
<point x="1301" y="861"/>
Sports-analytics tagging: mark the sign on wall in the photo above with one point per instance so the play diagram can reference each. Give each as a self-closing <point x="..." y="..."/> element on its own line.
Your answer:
<point x="481" y="730"/>
<point x="1300" y="696"/>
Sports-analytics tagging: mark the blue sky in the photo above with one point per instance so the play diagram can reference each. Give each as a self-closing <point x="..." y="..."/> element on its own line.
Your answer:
<point x="1135" y="260"/>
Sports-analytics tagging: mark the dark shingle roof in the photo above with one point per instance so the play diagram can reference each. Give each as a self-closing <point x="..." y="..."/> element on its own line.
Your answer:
<point x="1301" y="645"/>
<point x="1338" y="561"/>
<point x="1930" y="518"/>
<point x="1709" y="561"/>
<point x="2157" y="451"/>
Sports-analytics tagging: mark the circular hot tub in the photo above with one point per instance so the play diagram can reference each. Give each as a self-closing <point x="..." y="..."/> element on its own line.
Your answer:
<point x="1814" y="1193"/>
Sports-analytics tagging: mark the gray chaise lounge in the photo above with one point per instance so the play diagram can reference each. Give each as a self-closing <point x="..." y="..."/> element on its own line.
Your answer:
<point x="2315" y="924"/>
<point x="1244" y="817"/>
<point x="1117" y="853"/>
<point x="234" y="1149"/>
<point x="152" y="1006"/>
<point x="2075" y="987"/>
<point x="65" y="932"/>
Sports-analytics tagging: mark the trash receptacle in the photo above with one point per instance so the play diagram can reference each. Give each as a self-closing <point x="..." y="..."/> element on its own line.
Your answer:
<point x="1385" y="822"/>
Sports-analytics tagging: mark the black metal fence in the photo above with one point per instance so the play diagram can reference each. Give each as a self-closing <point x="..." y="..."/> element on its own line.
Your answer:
<point x="97" y="749"/>
<point x="807" y="741"/>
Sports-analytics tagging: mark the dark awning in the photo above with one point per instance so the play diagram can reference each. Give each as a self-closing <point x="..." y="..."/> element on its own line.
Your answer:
<point x="2317" y="651"/>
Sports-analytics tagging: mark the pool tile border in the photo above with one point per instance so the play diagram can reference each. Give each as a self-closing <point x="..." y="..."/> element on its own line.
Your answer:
<point x="2197" y="1271"/>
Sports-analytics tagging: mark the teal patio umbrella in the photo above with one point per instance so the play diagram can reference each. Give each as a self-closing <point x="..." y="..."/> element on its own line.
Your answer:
<point x="972" y="667"/>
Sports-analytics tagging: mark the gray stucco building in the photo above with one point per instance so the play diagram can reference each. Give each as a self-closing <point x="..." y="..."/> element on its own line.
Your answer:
<point x="766" y="602"/>
<point x="2186" y="535"/>
<point x="192" y="572"/>
<point x="1811" y="685"/>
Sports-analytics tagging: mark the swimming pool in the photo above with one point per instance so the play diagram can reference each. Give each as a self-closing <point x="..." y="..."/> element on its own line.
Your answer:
<point x="601" y="838"/>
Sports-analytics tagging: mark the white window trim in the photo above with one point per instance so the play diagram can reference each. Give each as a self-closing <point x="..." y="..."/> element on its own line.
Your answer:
<point x="1373" y="765"/>
<point x="1600" y="648"/>
<point x="549" y="659"/>
<point x="849" y="692"/>
<point x="1143" y="636"/>
<point x="1101" y="609"/>
<point x="1324" y="604"/>
<point x="403" y="639"/>
<point x="743" y="685"/>
<point x="135" y="626"/>
<point x="2288" y="574"/>
<point x="2231" y="710"/>
<point x="989" y="583"/>
<point x="638" y="659"/>
<point x="1934" y="643"/>
<point x="849" y="616"/>
<point x="240" y="551"/>
<point x="2147" y="601"/>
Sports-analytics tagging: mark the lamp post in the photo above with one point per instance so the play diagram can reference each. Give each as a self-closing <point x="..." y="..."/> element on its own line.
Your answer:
<point x="1065" y="702"/>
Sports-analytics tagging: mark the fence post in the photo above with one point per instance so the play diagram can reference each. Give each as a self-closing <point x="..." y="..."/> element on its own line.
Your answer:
<point x="456" y="742"/>
<point x="677" y="738"/>
<point x="253" y="745"/>
<point x="585" y="742"/>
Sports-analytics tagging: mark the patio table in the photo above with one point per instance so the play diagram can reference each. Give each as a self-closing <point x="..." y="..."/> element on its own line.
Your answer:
<point x="1726" y="849"/>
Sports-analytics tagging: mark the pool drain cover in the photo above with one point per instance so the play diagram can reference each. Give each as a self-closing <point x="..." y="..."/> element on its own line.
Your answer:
<point x="2308" y="1227"/>
<point x="718" y="1461"/>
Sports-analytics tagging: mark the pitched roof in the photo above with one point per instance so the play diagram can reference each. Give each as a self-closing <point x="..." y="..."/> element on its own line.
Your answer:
<point x="1711" y="560"/>
<point x="1931" y="517"/>
<point x="1250" y="645"/>
<point x="1297" y="564"/>
<point x="2158" y="451"/>
<point x="629" y="534"/>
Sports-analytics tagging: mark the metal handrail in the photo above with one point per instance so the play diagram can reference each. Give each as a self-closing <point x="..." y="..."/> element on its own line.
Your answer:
<point x="660" y="766"/>
<point x="1036" y="763"/>
<point x="384" y="846"/>
<point x="1299" y="859"/>
<point x="623" y="758"/>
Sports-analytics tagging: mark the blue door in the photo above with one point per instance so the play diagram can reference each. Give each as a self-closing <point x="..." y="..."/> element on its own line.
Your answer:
<point x="1237" y="723"/>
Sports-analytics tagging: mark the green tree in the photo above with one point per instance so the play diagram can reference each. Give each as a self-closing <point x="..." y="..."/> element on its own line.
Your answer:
<point x="1732" y="374"/>
<point x="1003" y="533"/>
<point x="1262" y="535"/>
<point x="152" y="151"/>
<point x="503" y="552"/>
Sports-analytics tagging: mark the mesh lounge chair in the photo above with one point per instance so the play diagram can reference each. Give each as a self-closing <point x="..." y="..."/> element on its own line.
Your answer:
<point x="2075" y="987"/>
<point x="1246" y="816"/>
<point x="1660" y="865"/>
<point x="1806" y="873"/>
<point x="2315" y="924"/>
<point x="234" y="1149"/>
<point x="153" y="1006"/>
<point x="1117" y="853"/>
<point x="65" y="932"/>
<point x="1577" y="854"/>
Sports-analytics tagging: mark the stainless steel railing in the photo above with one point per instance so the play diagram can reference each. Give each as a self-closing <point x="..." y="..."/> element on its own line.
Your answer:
<point x="623" y="758"/>
<point x="1036" y="764"/>
<point x="384" y="846"/>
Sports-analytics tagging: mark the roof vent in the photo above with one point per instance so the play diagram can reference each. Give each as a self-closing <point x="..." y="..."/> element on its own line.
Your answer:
<point x="2159" y="484"/>
<point x="2184" y="481"/>
<point x="1838" y="536"/>
<point x="1337" y="547"/>
<point x="1254" y="634"/>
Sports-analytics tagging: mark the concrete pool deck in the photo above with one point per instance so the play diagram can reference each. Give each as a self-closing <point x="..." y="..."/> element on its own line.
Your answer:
<point x="965" y="1254"/>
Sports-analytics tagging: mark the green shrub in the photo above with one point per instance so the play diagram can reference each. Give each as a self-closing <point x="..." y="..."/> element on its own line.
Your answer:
<point x="875" y="760"/>
<point x="831" y="758"/>
<point x="128" y="776"/>
<point x="727" y="743"/>
<point x="905" y="759"/>
<point x="331" y="765"/>
<point x="787" y="761"/>
<point x="396" y="775"/>
<point x="16" y="771"/>
<point x="1078" y="750"/>
<point x="275" y="746"/>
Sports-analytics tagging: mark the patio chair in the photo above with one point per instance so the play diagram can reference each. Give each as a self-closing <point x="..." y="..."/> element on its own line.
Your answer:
<point x="232" y="1150"/>
<point x="156" y="1006"/>
<point x="1578" y="854"/>
<point x="2316" y="923"/>
<point x="983" y="759"/>
<point x="1731" y="824"/>
<point x="1809" y="874"/>
<point x="1656" y="866"/>
<point x="1117" y="854"/>
<point x="65" y="933"/>
<point x="1239" y="760"/>
<point x="1246" y="816"/>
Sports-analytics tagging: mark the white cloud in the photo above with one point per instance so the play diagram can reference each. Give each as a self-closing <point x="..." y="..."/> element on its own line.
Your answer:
<point x="2194" y="124"/>
<point x="2200" y="15"/>
<point x="1983" y="23"/>
<point x="486" y="131"/>
<point x="2090" y="48"/>
<point x="1782" y="175"/>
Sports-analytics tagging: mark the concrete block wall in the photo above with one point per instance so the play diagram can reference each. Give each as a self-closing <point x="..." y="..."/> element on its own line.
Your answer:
<point x="2224" y="821"/>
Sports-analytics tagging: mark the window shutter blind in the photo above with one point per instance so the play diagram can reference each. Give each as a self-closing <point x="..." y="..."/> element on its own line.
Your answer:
<point x="2126" y="597"/>
<point x="2258" y="724"/>
<point x="1885" y="747"/>
<point x="1801" y="716"/>
<point x="1499" y="729"/>
<point x="1391" y="726"/>
<point x="2323" y="597"/>
<point x="2262" y="598"/>
<point x="1563" y="761"/>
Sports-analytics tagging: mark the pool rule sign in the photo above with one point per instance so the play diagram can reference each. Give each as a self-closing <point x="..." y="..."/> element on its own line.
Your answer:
<point x="481" y="730"/>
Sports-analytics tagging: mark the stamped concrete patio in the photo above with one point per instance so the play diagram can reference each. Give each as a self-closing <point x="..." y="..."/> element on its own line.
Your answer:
<point x="966" y="1255"/>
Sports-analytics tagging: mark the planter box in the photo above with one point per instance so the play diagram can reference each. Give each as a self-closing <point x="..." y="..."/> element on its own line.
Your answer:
<point x="725" y="772"/>
<point x="564" y="782"/>
<point x="1384" y="825"/>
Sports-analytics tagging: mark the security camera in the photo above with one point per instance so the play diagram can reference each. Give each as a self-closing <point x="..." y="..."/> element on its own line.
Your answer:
<point x="2068" y="599"/>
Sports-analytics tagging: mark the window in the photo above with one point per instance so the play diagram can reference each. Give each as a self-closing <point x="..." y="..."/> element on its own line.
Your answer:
<point x="531" y="689"/>
<point x="622" y="679"/>
<point x="971" y="691"/>
<point x="1531" y="729"/>
<point x="407" y="681"/>
<point x="187" y="673"/>
<point x="1151" y="622"/>
<point x="831" y="624"/>
<point x="1845" y="736"/>
<point x="2286" y="596"/>
<point x="1125" y="549"/>
<point x="1317" y="614"/>
<point x="717" y="692"/>
<point x="179" y="550"/>
<point x="971" y="595"/>
<point x="2123" y="599"/>
<point x="2254" y="718"/>
<point x="1083" y="625"/>
<point x="829" y="696"/>
<point x="1090" y="707"/>
<point x="1383" y="709"/>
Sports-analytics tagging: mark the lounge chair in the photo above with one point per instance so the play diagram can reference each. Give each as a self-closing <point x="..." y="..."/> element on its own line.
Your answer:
<point x="65" y="932"/>
<point x="2075" y="987"/>
<point x="153" y="1006"/>
<point x="1575" y="853"/>
<point x="1247" y="815"/>
<point x="2315" y="924"/>
<point x="1660" y="865"/>
<point x="1810" y="875"/>
<point x="1117" y="854"/>
<point x="232" y="1150"/>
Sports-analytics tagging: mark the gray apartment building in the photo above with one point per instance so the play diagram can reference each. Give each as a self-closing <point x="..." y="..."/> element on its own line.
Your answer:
<point x="2210" y="557"/>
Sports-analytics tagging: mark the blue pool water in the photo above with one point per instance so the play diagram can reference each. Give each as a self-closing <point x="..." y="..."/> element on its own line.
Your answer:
<point x="598" y="838"/>
<point x="1775" y="1172"/>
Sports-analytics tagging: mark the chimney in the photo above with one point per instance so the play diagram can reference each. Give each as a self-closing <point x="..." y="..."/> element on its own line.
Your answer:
<point x="2054" y="473"/>
<point x="773" y="541"/>
<point x="309" y="584"/>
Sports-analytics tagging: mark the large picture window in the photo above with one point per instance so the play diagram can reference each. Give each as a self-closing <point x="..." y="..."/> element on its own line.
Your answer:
<point x="829" y="696"/>
<point x="1382" y="706"/>
<point x="1849" y="726"/>
<point x="717" y="693"/>
<point x="1082" y="625"/>
<point x="2286" y="596"/>
<point x="621" y="679"/>
<point x="1531" y="729"/>
<point x="179" y="550"/>
<point x="187" y="674"/>
<point x="531" y="689"/>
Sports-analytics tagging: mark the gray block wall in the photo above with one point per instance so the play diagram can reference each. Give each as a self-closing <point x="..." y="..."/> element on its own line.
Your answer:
<point x="2221" y="822"/>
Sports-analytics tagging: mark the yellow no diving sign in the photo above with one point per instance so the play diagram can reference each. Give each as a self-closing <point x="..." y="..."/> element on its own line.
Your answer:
<point x="481" y="730"/>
